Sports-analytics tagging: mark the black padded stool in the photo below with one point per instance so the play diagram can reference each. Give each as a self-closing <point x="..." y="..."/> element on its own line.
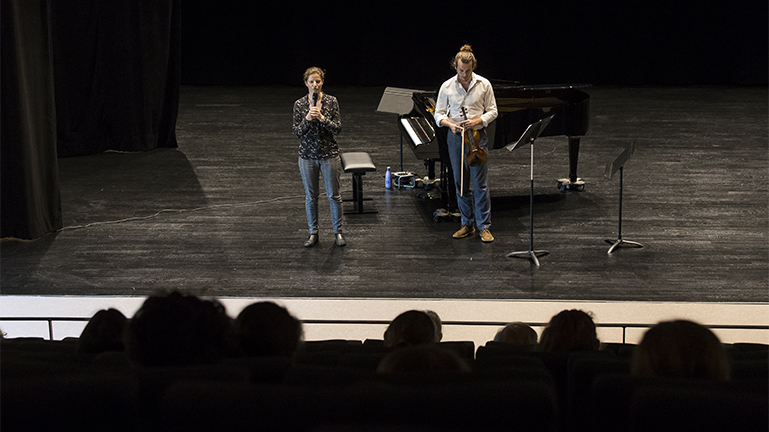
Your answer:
<point x="357" y="163"/>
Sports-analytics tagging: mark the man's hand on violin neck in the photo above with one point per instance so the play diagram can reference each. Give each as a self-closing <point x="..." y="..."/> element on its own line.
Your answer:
<point x="467" y="124"/>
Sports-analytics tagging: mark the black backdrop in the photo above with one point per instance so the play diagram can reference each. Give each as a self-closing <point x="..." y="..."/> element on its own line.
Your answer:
<point x="117" y="72"/>
<point x="410" y="43"/>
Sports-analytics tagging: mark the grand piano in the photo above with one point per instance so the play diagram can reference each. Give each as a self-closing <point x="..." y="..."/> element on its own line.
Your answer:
<point x="518" y="106"/>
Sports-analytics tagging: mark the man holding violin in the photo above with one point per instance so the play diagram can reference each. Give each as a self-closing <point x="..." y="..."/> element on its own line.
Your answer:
<point x="466" y="105"/>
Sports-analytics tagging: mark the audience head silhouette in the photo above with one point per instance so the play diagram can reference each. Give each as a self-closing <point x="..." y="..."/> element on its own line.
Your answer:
<point x="176" y="329"/>
<point x="569" y="331"/>
<point x="104" y="332"/>
<point x="438" y="324"/>
<point x="681" y="349"/>
<point x="267" y="329"/>
<point x="422" y="359"/>
<point x="412" y="327"/>
<point x="517" y="333"/>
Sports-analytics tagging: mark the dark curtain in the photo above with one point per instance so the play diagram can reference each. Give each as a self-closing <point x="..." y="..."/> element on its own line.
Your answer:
<point x="80" y="77"/>
<point x="117" y="72"/>
<point x="31" y="203"/>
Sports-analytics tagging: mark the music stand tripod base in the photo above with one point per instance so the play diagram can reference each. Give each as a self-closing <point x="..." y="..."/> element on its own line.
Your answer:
<point x="530" y="254"/>
<point x="620" y="243"/>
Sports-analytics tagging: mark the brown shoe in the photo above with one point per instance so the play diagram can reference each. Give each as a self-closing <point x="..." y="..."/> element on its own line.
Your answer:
<point x="463" y="232"/>
<point x="486" y="236"/>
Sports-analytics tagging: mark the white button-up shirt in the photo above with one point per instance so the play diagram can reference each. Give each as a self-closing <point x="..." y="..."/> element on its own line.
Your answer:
<point x="477" y="101"/>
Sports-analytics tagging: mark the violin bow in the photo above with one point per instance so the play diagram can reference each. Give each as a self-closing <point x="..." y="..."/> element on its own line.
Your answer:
<point x="462" y="167"/>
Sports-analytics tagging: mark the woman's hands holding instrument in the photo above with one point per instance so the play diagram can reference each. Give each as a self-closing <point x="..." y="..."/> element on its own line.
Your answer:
<point x="314" y="113"/>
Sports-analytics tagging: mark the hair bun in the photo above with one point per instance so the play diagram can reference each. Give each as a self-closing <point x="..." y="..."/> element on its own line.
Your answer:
<point x="466" y="48"/>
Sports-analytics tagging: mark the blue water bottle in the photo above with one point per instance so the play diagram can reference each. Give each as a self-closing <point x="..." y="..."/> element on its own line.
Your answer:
<point x="388" y="180"/>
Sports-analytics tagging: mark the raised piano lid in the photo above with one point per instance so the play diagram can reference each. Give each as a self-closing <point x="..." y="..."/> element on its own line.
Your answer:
<point x="504" y="85"/>
<point x="397" y="100"/>
<point x="521" y="105"/>
<point x="515" y="98"/>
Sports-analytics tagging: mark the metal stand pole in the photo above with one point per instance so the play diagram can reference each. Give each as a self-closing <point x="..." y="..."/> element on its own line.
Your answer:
<point x="401" y="137"/>
<point x="531" y="253"/>
<point x="619" y="242"/>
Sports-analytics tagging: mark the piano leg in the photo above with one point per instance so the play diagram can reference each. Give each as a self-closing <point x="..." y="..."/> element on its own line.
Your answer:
<point x="573" y="158"/>
<point x="430" y="181"/>
<point x="573" y="182"/>
<point x="448" y="189"/>
<point x="430" y="165"/>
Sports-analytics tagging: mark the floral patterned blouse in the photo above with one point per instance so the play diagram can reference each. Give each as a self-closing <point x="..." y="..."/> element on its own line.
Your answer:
<point x="316" y="137"/>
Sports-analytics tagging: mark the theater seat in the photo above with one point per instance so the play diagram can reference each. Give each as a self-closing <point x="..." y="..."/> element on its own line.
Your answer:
<point x="700" y="410"/>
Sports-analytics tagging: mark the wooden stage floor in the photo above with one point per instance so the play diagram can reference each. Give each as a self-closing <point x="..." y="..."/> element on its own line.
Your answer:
<point x="223" y="215"/>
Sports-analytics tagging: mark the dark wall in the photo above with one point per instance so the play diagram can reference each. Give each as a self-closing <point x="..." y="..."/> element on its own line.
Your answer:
<point x="411" y="43"/>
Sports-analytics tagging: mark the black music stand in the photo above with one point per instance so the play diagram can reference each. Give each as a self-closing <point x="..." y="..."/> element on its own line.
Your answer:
<point x="611" y="169"/>
<point x="529" y="136"/>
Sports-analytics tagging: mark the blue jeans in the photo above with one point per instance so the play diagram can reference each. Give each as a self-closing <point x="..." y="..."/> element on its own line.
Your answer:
<point x="331" y="169"/>
<point x="475" y="205"/>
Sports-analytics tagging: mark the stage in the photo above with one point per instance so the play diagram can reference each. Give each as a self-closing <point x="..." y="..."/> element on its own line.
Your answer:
<point x="223" y="215"/>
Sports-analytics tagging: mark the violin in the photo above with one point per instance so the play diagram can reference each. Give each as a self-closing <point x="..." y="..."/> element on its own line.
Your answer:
<point x="476" y="155"/>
